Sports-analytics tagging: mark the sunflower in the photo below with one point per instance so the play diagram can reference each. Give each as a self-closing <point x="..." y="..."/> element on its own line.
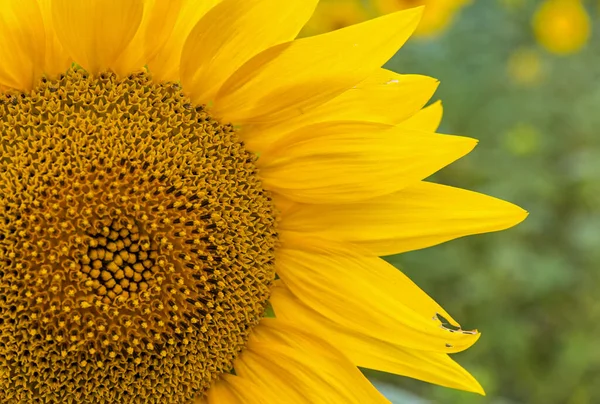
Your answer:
<point x="194" y="204"/>
<point x="562" y="26"/>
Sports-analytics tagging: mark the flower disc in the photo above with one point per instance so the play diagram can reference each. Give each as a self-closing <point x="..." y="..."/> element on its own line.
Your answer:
<point x="136" y="243"/>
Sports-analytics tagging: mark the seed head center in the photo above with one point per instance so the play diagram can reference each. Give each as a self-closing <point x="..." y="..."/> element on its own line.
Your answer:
<point x="136" y="243"/>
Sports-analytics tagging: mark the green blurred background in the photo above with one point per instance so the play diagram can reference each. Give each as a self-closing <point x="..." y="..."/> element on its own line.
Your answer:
<point x="533" y="290"/>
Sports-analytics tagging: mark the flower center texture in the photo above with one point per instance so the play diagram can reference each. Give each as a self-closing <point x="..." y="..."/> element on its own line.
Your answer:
<point x="136" y="243"/>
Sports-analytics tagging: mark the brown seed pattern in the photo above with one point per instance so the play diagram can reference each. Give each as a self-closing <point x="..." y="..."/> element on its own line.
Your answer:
<point x="136" y="243"/>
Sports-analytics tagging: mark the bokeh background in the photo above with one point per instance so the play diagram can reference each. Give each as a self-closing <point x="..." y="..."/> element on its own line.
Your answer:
<point x="523" y="76"/>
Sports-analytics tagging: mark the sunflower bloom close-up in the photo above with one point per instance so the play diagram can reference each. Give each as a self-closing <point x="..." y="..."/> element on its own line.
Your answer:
<point x="194" y="202"/>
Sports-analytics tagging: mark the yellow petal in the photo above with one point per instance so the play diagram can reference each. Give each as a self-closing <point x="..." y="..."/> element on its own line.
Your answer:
<point x="385" y="97"/>
<point x="391" y="280"/>
<point x="299" y="368"/>
<point x="57" y="60"/>
<point x="418" y="216"/>
<point x="155" y="28"/>
<point x="233" y="32"/>
<point x="164" y="65"/>
<point x="95" y="32"/>
<point x="367" y="351"/>
<point x="22" y="44"/>
<point x="289" y="79"/>
<point x="230" y="389"/>
<point x="364" y="294"/>
<point x="428" y="119"/>
<point x="336" y="162"/>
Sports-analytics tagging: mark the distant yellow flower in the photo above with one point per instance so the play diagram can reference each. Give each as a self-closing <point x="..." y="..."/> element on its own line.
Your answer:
<point x="437" y="16"/>
<point x="172" y="171"/>
<point x="335" y="14"/>
<point x="562" y="26"/>
<point x="525" y="66"/>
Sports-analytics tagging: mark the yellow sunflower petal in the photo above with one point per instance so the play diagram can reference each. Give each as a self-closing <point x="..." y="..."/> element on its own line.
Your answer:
<point x="165" y="63"/>
<point x="362" y="294"/>
<point x="95" y="32"/>
<point x="233" y="32"/>
<point x="385" y="97"/>
<point x="392" y="280"/>
<point x="157" y="23"/>
<point x="289" y="79"/>
<point x="428" y="119"/>
<point x="335" y="162"/>
<point x="57" y="59"/>
<point x="418" y="216"/>
<point x="367" y="351"/>
<point x="22" y="44"/>
<point x="230" y="389"/>
<point x="302" y="369"/>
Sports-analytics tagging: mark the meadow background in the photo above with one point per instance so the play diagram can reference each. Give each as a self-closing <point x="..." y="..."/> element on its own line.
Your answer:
<point x="533" y="291"/>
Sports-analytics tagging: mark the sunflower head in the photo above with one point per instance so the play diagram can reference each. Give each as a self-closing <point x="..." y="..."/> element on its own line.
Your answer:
<point x="135" y="233"/>
<point x="169" y="170"/>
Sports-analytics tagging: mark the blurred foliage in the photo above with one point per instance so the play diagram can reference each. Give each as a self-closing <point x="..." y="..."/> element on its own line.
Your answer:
<point x="533" y="290"/>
